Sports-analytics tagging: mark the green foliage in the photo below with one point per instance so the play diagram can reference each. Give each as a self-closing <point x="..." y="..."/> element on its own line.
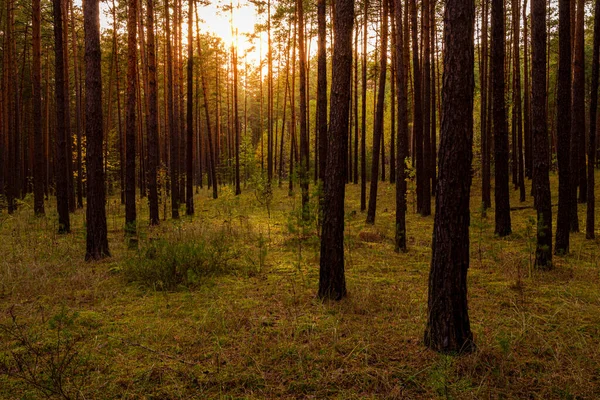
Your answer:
<point x="169" y="264"/>
<point x="46" y="357"/>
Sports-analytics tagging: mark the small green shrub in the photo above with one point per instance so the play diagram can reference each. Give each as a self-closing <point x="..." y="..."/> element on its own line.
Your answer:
<point x="168" y="264"/>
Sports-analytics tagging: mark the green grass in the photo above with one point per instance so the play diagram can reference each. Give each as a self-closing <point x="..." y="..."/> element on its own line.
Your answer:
<point x="248" y="325"/>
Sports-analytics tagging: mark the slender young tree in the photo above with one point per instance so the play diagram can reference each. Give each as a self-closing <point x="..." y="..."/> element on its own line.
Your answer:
<point x="402" y="142"/>
<point x="563" y="128"/>
<point x="577" y="116"/>
<point x="517" y="104"/>
<point x="363" y="124"/>
<point x="62" y="183"/>
<point x="426" y="71"/>
<point x="171" y="126"/>
<point x="378" y="123"/>
<point x="152" y="119"/>
<point x="591" y="200"/>
<point x="332" y="282"/>
<point x="417" y="107"/>
<point x="97" y="241"/>
<point x="304" y="149"/>
<point x="541" y="159"/>
<point x="448" y="328"/>
<point x="189" y="159"/>
<point x="38" y="164"/>
<point x="322" y="86"/>
<point x="501" y="189"/>
<point x="78" y="108"/>
<point x="486" y="199"/>
<point x="131" y="118"/>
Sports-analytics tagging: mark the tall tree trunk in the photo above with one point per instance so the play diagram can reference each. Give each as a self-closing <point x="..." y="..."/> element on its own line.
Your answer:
<point x="378" y="122"/>
<point x="96" y="238"/>
<point x="304" y="166"/>
<point x="78" y="110"/>
<point x="501" y="189"/>
<point x="131" y="118"/>
<point x="402" y="144"/>
<point x="434" y="103"/>
<point x="62" y="183"/>
<point x="527" y="96"/>
<point x="578" y="170"/>
<point x="189" y="159"/>
<point x="541" y="160"/>
<point x="209" y="136"/>
<point x="152" y="119"/>
<point x="356" y="123"/>
<point x="517" y="107"/>
<point x="269" y="97"/>
<point x="38" y="165"/>
<point x="65" y="42"/>
<point x="322" y="86"/>
<point x="363" y="125"/>
<point x="332" y="282"/>
<point x="172" y="131"/>
<point x="236" y="122"/>
<point x="577" y="110"/>
<point x="426" y="71"/>
<point x="591" y="201"/>
<point x="417" y="108"/>
<point x="563" y="128"/>
<point x="448" y="328"/>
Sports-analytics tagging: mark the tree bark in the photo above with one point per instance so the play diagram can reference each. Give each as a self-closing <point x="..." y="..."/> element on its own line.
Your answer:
<point x="332" y="283"/>
<point x="152" y="120"/>
<point x="62" y="183"/>
<point x="189" y="159"/>
<point x="97" y="242"/>
<point x="304" y="149"/>
<point x="448" y="329"/>
<point x="417" y="108"/>
<point x="38" y="164"/>
<point x="322" y="86"/>
<point x="378" y="122"/>
<point x="402" y="142"/>
<point x="363" y="125"/>
<point x="426" y="71"/>
<point x="501" y="187"/>
<point x="541" y="159"/>
<point x="131" y="118"/>
<point x="563" y="128"/>
<point x="577" y="111"/>
<point x="591" y="200"/>
<point x="172" y="130"/>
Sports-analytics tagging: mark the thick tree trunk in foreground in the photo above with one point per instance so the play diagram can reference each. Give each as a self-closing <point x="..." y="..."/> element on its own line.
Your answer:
<point x="97" y="242"/>
<point x="152" y="120"/>
<point x="62" y="183"/>
<point x="501" y="189"/>
<point x="332" y="282"/>
<point x="563" y="128"/>
<point x="378" y="123"/>
<point x="541" y="159"/>
<point x="402" y="143"/>
<point x="448" y="329"/>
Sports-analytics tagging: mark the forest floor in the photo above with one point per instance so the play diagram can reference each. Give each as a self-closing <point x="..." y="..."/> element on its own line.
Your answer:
<point x="222" y="305"/>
